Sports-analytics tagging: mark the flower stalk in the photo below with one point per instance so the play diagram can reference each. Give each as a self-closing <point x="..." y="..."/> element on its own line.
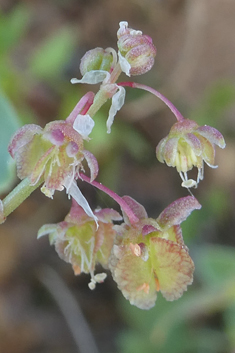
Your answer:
<point x="174" y="110"/>
<point x="124" y="206"/>
<point x="15" y="198"/>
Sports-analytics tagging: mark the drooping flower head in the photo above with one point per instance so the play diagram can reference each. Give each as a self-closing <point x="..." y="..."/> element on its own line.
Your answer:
<point x="53" y="154"/>
<point x="150" y="255"/>
<point x="81" y="243"/>
<point x="189" y="145"/>
<point x="136" y="50"/>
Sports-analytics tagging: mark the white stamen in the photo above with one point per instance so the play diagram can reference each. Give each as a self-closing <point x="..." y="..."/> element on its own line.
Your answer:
<point x="92" y="284"/>
<point x="190" y="183"/>
<point x="100" y="277"/>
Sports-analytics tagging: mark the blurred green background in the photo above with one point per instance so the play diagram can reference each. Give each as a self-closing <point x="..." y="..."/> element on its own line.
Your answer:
<point x="41" y="44"/>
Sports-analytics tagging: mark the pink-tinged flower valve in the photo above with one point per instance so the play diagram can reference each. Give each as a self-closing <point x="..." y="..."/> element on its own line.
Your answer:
<point x="136" y="50"/>
<point x="53" y="154"/>
<point x="79" y="242"/>
<point x="189" y="145"/>
<point x="151" y="256"/>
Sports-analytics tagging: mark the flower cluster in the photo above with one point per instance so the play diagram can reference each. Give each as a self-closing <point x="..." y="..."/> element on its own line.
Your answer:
<point x="145" y="255"/>
<point x="80" y="242"/>
<point x="151" y="256"/>
<point x="189" y="145"/>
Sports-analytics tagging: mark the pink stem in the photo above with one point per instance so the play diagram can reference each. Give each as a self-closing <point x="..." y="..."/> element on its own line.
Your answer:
<point x="175" y="111"/>
<point x="124" y="206"/>
<point x="82" y="107"/>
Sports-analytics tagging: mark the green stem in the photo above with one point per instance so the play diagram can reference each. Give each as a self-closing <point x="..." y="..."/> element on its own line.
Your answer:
<point x="16" y="197"/>
<point x="99" y="100"/>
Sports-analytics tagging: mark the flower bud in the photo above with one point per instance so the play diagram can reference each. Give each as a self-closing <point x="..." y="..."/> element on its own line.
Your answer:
<point x="136" y="51"/>
<point x="97" y="59"/>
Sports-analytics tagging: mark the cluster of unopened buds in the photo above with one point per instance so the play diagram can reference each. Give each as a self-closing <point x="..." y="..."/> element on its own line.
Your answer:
<point x="145" y="255"/>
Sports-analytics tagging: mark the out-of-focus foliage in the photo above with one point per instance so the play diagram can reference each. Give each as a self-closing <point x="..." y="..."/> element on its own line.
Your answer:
<point x="218" y="98"/>
<point x="51" y="56"/>
<point x="9" y="124"/>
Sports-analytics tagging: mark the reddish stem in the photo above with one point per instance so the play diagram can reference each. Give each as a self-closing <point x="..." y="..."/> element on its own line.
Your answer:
<point x="82" y="107"/>
<point x="175" y="111"/>
<point x="124" y="206"/>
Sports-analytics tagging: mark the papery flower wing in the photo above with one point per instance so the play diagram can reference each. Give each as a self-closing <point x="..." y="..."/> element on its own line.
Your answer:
<point x="170" y="150"/>
<point x="212" y="134"/>
<point x="77" y="247"/>
<point x="160" y="149"/>
<point x="104" y="242"/>
<point x="134" y="278"/>
<point x="92" y="163"/>
<point x="208" y="153"/>
<point x="76" y="215"/>
<point x="148" y="228"/>
<point x="194" y="143"/>
<point x="172" y="266"/>
<point x="22" y="137"/>
<point x="136" y="207"/>
<point x="32" y="158"/>
<point x="53" y="230"/>
<point x="117" y="102"/>
<point x="107" y="215"/>
<point x="92" y="77"/>
<point x="46" y="229"/>
<point x="177" y="212"/>
<point x="56" y="171"/>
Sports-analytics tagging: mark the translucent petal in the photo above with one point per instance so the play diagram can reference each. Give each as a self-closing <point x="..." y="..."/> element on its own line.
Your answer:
<point x="160" y="149"/>
<point x="22" y="137"/>
<point x="194" y="143"/>
<point x="92" y="77"/>
<point x="74" y="191"/>
<point x="107" y="215"/>
<point x="83" y="124"/>
<point x="170" y="150"/>
<point x="117" y="102"/>
<point x="177" y="212"/>
<point x="173" y="267"/>
<point x="92" y="164"/>
<point x="136" y="207"/>
<point x="212" y="134"/>
<point x="31" y="158"/>
<point x="125" y="66"/>
<point x="47" y="229"/>
<point x="174" y="234"/>
<point x="208" y="153"/>
<point x="148" y="228"/>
